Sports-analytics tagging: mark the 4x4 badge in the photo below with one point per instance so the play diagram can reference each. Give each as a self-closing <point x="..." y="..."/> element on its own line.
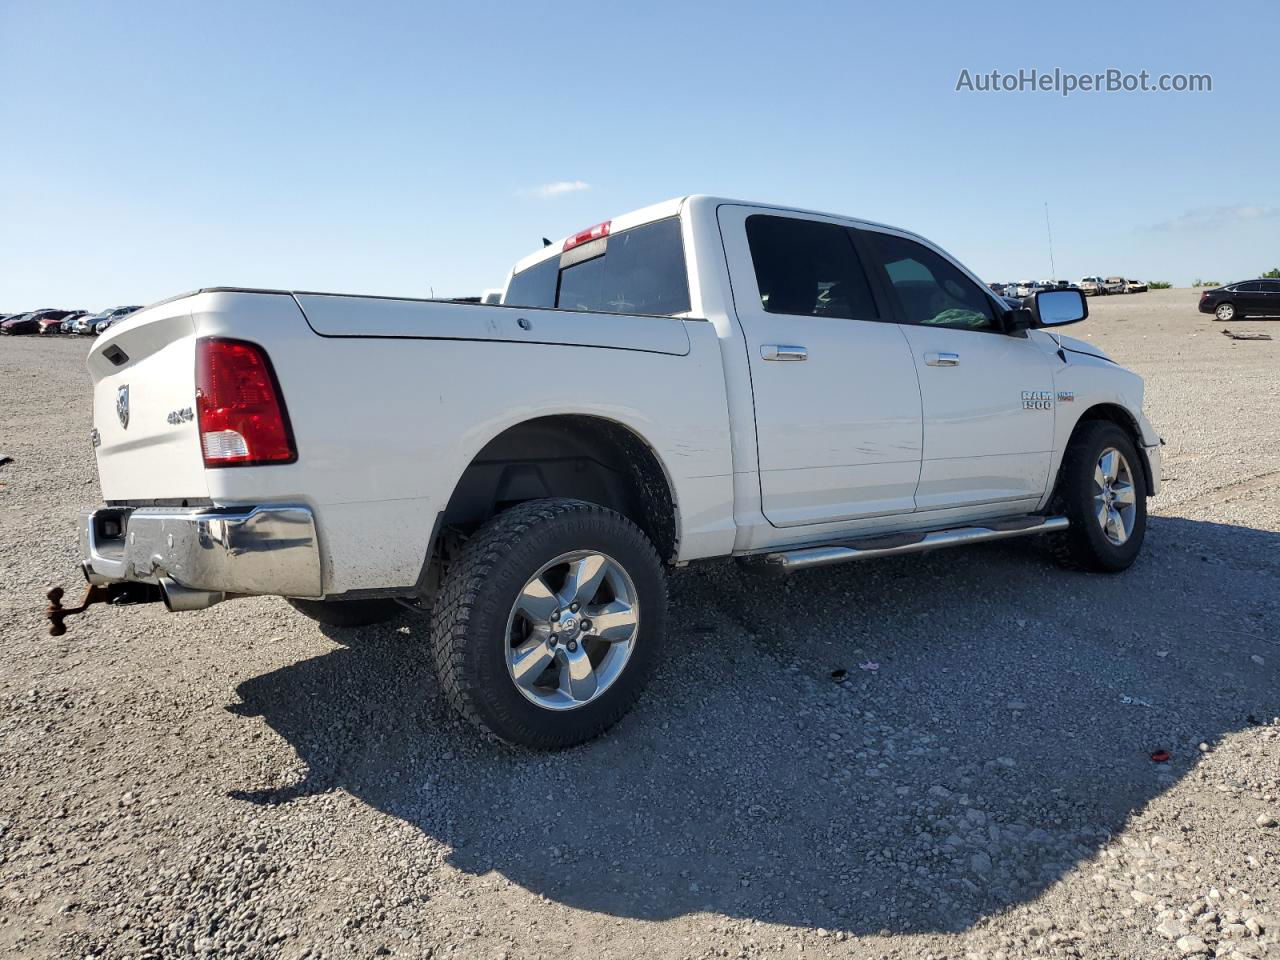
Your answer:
<point x="122" y="406"/>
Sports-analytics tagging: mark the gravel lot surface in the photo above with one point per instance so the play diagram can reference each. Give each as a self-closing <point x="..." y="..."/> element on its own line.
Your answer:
<point x="979" y="783"/>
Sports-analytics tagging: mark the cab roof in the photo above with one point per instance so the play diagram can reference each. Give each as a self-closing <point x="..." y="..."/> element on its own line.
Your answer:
<point x="674" y="207"/>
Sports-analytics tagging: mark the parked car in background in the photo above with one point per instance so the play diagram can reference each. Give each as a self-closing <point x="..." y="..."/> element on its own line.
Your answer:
<point x="82" y="324"/>
<point x="69" y="321"/>
<point x="108" y="317"/>
<point x="52" y="320"/>
<point x="1092" y="286"/>
<point x="31" y="322"/>
<point x="18" y="323"/>
<point x="1235" y="301"/>
<point x="1135" y="286"/>
<point x="1024" y="288"/>
<point x="1114" y="284"/>
<point x="90" y="323"/>
<point x="997" y="288"/>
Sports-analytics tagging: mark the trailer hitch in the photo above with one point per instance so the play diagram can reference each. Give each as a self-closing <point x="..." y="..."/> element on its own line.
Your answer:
<point x="113" y="593"/>
<point x="95" y="593"/>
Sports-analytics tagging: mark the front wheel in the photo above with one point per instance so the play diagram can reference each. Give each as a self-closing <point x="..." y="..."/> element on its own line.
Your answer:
<point x="1102" y="491"/>
<point x="1225" y="311"/>
<point x="549" y="623"/>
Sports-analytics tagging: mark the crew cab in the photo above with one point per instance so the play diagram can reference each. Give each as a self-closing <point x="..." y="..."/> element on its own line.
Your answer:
<point x="704" y="378"/>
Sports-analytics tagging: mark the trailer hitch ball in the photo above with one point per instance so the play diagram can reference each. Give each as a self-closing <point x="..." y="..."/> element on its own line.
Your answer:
<point x="57" y="613"/>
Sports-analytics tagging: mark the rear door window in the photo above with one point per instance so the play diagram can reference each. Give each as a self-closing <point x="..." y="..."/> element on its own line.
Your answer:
<point x="640" y="270"/>
<point x="808" y="268"/>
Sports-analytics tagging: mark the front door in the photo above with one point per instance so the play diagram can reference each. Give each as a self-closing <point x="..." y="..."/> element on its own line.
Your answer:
<point x="837" y="405"/>
<point x="987" y="396"/>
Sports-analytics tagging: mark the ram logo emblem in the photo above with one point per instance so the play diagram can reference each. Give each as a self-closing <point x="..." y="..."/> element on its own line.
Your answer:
<point x="122" y="406"/>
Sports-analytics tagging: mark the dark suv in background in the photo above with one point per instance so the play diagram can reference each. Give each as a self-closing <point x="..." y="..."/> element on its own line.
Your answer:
<point x="1248" y="298"/>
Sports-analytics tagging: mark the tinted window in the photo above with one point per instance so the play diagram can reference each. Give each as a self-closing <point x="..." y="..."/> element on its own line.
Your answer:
<point x="1252" y="286"/>
<point x="1271" y="286"/>
<point x="808" y="268"/>
<point x="930" y="288"/>
<point x="640" y="271"/>
<point x="534" y="287"/>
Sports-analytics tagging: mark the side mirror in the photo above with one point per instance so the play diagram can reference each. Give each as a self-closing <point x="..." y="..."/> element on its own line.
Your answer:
<point x="1056" y="308"/>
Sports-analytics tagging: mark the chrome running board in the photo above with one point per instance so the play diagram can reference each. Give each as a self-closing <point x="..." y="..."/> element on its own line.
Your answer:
<point x="802" y="558"/>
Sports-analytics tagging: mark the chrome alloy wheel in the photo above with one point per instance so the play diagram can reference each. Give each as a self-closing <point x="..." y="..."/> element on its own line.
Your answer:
<point x="1225" y="311"/>
<point x="1115" y="497"/>
<point x="572" y="629"/>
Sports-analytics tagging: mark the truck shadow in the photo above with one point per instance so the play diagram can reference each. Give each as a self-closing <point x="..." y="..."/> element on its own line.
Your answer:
<point x="1003" y="734"/>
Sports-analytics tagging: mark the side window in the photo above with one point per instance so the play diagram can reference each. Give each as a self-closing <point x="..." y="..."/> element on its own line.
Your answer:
<point x="808" y="268"/>
<point x="930" y="288"/>
<point x="640" y="270"/>
<point x="1253" y="286"/>
<point x="534" y="287"/>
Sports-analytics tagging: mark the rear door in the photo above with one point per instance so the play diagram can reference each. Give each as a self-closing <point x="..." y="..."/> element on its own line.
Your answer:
<point x="837" y="406"/>
<point x="987" y="397"/>
<point x="1270" y="305"/>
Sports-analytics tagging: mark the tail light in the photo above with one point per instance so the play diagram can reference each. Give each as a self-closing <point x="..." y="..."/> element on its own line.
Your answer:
<point x="239" y="407"/>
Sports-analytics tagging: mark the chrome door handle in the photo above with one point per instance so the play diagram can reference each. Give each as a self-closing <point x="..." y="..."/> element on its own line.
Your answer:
<point x="783" y="351"/>
<point x="942" y="359"/>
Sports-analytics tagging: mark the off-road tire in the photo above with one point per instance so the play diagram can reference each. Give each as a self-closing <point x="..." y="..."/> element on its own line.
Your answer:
<point x="1083" y="545"/>
<point x="470" y="619"/>
<point x="348" y="613"/>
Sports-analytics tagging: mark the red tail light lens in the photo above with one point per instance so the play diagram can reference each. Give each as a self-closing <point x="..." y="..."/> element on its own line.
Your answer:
<point x="587" y="235"/>
<point x="239" y="406"/>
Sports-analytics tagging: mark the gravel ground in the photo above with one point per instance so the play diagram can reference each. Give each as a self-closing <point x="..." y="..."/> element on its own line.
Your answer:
<point x="935" y="757"/>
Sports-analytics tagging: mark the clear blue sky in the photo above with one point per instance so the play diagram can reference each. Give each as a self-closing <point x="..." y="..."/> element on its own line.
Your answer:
<point x="151" y="148"/>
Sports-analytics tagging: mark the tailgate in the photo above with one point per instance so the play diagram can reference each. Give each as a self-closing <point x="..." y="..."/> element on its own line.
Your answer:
<point x="143" y="371"/>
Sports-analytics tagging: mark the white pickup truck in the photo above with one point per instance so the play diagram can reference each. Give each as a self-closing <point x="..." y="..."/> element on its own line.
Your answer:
<point x="701" y="378"/>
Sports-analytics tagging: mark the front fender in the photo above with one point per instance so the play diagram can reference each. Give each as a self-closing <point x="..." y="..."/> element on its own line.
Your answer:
<point x="1086" y="383"/>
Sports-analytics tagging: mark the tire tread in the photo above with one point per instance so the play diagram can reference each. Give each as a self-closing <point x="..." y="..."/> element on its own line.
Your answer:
<point x="461" y="593"/>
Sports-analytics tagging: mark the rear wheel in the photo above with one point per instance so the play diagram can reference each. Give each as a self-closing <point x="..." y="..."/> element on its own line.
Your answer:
<point x="1225" y="311"/>
<point x="549" y="623"/>
<point x="347" y="613"/>
<point x="1103" y="493"/>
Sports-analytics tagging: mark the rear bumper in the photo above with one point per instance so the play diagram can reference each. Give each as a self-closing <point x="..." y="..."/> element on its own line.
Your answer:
<point x="1208" y="306"/>
<point x="271" y="551"/>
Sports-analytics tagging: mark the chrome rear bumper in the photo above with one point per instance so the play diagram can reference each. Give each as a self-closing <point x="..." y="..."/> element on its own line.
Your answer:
<point x="269" y="551"/>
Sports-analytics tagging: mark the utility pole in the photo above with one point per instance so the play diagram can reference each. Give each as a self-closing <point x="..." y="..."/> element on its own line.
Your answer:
<point x="1053" y="271"/>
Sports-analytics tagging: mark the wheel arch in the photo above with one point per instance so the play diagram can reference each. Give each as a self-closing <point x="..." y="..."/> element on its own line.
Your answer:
<point x="583" y="456"/>
<point x="1121" y="417"/>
